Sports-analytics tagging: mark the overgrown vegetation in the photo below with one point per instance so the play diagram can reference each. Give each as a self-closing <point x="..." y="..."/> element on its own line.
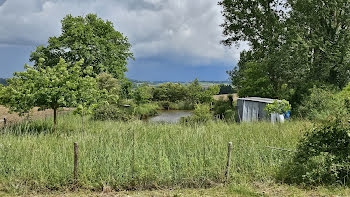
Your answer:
<point x="299" y="53"/>
<point x="326" y="104"/>
<point x="225" y="110"/>
<point x="322" y="157"/>
<point x="294" y="46"/>
<point x="130" y="155"/>
<point x="180" y="96"/>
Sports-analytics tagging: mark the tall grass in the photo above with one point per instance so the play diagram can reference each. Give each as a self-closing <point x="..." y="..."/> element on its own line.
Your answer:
<point x="129" y="155"/>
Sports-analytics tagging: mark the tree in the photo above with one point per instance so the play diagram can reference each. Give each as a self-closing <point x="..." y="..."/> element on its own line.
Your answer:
<point x="143" y="94"/>
<point x="172" y="92"/>
<point x="194" y="89"/>
<point x="86" y="95"/>
<point x="226" y="89"/>
<point x="109" y="88"/>
<point x="89" y="38"/>
<point x="197" y="94"/>
<point x="49" y="88"/>
<point x="295" y="44"/>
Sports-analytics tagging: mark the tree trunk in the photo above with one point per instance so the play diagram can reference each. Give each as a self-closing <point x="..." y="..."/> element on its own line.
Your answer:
<point x="54" y="119"/>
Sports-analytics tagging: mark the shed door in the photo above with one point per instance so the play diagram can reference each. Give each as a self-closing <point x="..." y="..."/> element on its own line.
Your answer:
<point x="250" y="111"/>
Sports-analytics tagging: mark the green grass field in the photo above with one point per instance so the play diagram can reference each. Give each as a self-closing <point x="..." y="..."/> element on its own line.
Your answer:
<point x="140" y="155"/>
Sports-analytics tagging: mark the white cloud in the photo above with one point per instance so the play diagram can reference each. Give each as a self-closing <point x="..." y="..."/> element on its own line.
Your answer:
<point x="154" y="27"/>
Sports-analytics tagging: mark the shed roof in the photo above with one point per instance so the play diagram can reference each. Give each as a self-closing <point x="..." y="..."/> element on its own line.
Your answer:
<point x="258" y="99"/>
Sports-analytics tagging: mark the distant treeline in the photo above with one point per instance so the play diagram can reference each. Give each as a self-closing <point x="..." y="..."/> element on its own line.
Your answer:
<point x="226" y="89"/>
<point x="160" y="82"/>
<point x="3" y="81"/>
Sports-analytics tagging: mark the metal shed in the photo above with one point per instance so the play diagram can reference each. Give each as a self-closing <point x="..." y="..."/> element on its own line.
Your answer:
<point x="251" y="109"/>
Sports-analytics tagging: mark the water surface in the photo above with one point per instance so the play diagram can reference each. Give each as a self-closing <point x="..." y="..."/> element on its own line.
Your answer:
<point x="170" y="116"/>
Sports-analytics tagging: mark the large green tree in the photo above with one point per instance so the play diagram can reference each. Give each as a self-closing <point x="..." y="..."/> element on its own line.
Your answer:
<point x="89" y="38"/>
<point x="63" y="85"/>
<point x="295" y="44"/>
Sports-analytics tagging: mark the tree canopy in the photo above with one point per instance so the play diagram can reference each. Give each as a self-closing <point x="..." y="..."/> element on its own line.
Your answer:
<point x="89" y="38"/>
<point x="295" y="44"/>
<point x="49" y="88"/>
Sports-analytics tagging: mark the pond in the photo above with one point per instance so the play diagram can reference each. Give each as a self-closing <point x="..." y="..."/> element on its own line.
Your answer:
<point x="170" y="116"/>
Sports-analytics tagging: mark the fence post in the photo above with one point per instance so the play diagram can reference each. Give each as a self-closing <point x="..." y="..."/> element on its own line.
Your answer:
<point x="5" y="122"/>
<point x="227" y="172"/>
<point x="75" y="163"/>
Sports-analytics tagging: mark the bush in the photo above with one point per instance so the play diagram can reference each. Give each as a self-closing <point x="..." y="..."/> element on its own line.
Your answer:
<point x="230" y="115"/>
<point x="164" y="104"/>
<point x="322" y="157"/>
<point x="181" y="105"/>
<point x="201" y="113"/>
<point x="111" y="112"/>
<point x="279" y="107"/>
<point x="225" y="110"/>
<point x="322" y="105"/>
<point x="143" y="111"/>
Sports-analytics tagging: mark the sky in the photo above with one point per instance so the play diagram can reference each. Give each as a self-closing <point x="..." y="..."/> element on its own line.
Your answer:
<point x="172" y="40"/>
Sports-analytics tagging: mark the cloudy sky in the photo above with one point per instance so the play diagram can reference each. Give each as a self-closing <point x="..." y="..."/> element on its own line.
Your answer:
<point x="173" y="40"/>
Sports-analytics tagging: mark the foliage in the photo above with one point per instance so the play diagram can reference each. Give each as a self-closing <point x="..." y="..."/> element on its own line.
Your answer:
<point x="126" y="87"/>
<point x="111" y="112"/>
<point x="324" y="105"/>
<point x="49" y="87"/>
<point x="295" y="45"/>
<point x="197" y="94"/>
<point x="109" y="88"/>
<point x="279" y="107"/>
<point x="224" y="110"/>
<point x="226" y="89"/>
<point x="175" y="95"/>
<point x="256" y="77"/>
<point x="105" y="111"/>
<point x="201" y="114"/>
<point x="181" y="105"/>
<point x="322" y="157"/>
<point x="89" y="38"/>
<point x="194" y="91"/>
<point x="171" y="92"/>
<point x="142" y="94"/>
<point x="145" y="110"/>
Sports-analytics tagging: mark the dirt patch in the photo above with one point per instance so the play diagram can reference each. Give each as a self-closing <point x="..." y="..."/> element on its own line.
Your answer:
<point x="33" y="115"/>
<point x="225" y="97"/>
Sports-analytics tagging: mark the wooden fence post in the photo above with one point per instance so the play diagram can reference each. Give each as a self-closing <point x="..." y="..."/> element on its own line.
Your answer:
<point x="227" y="172"/>
<point x="75" y="163"/>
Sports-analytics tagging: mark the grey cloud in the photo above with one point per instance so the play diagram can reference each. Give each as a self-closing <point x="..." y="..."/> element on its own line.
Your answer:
<point x="155" y="27"/>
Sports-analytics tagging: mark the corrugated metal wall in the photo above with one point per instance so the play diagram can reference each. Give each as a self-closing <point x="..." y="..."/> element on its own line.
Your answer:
<point x="250" y="111"/>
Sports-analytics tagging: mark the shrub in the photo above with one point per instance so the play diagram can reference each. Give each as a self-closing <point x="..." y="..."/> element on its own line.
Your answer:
<point x="111" y="112"/>
<point x="181" y="105"/>
<point x="224" y="110"/>
<point x="145" y="110"/>
<point x="142" y="94"/>
<point x="164" y="104"/>
<point x="321" y="105"/>
<point x="230" y="115"/>
<point x="201" y="113"/>
<point x="322" y="157"/>
<point x="278" y="107"/>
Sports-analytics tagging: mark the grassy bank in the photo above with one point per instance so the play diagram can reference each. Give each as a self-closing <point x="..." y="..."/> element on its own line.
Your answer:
<point x="139" y="155"/>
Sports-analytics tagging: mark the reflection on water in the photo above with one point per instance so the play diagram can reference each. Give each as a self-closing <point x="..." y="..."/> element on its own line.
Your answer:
<point x="170" y="116"/>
